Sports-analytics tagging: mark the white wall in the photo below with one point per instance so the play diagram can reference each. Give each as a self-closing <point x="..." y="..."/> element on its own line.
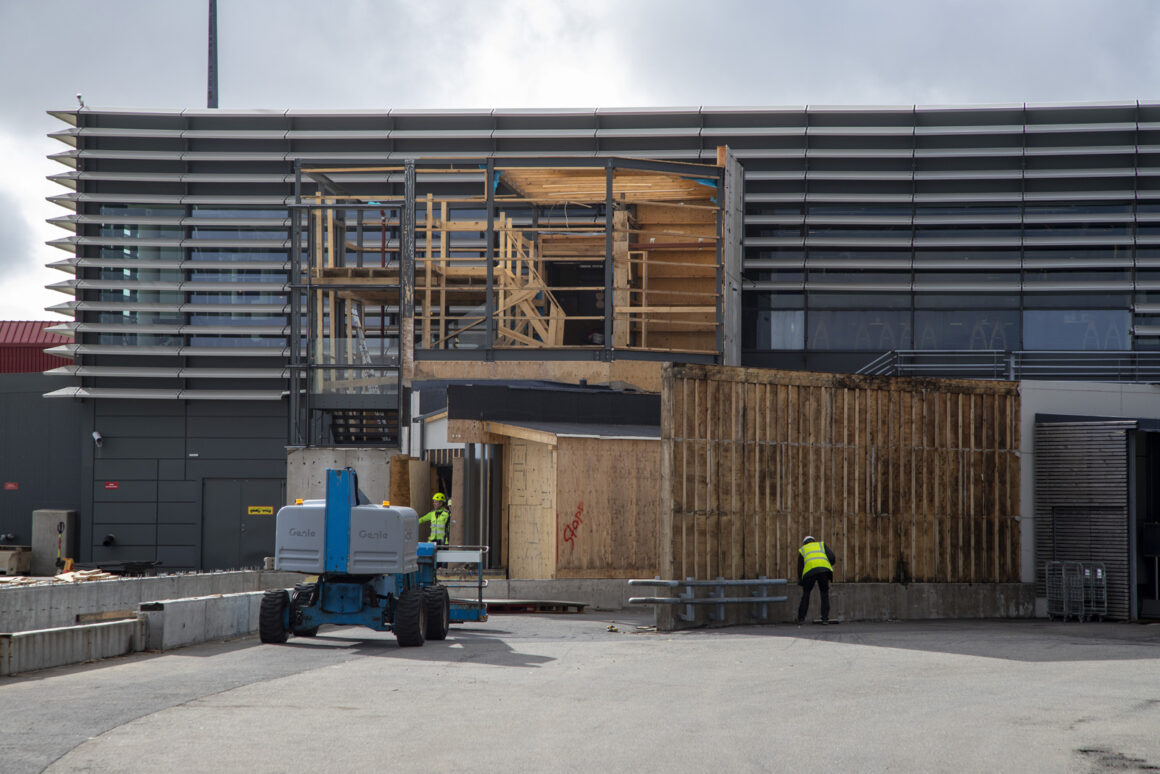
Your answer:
<point x="1080" y="399"/>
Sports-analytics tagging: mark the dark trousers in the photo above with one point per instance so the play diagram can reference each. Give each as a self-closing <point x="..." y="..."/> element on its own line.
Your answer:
<point x="823" y="580"/>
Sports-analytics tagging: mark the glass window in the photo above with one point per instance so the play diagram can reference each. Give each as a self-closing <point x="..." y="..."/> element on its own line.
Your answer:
<point x="159" y="210"/>
<point x="859" y="300"/>
<point x="781" y="329"/>
<point x="238" y="233"/>
<point x="141" y="253"/>
<point x="237" y="275"/>
<point x="863" y="331"/>
<point x="139" y="339"/>
<point x="142" y="275"/>
<point x="141" y="318"/>
<point x="1077" y="329"/>
<point x="237" y="298"/>
<point x="956" y="329"/>
<point x="143" y="232"/>
<point x="238" y="254"/>
<point x="238" y="212"/>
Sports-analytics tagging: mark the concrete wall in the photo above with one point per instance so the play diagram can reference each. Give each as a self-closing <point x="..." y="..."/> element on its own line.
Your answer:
<point x="44" y="648"/>
<point x="45" y="607"/>
<point x="1081" y="399"/>
<point x="175" y="623"/>
<point x="306" y="470"/>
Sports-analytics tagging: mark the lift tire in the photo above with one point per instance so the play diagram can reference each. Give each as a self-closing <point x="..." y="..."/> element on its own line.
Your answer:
<point x="303" y="595"/>
<point x="438" y="604"/>
<point x="410" y="619"/>
<point x="272" y="617"/>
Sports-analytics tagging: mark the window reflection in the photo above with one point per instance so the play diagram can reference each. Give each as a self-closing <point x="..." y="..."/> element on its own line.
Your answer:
<point x="971" y="330"/>
<point x="878" y="331"/>
<point x="1077" y="329"/>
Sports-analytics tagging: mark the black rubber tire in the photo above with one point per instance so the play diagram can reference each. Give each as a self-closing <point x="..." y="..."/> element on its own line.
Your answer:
<point x="438" y="604"/>
<point x="304" y="595"/>
<point x="272" y="617"/>
<point x="410" y="619"/>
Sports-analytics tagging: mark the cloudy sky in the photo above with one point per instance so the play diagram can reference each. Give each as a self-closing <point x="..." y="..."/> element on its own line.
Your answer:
<point x="378" y="54"/>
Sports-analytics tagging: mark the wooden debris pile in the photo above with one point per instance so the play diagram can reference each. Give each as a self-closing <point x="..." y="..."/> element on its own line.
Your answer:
<point x="76" y="576"/>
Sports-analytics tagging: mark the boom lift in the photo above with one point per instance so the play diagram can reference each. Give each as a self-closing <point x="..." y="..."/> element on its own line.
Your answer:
<point x="371" y="569"/>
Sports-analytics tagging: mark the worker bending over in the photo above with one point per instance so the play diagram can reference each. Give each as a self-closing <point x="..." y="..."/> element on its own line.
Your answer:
<point x="439" y="517"/>
<point x="815" y="564"/>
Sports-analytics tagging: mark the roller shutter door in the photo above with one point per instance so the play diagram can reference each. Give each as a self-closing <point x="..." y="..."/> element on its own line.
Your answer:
<point x="1081" y="501"/>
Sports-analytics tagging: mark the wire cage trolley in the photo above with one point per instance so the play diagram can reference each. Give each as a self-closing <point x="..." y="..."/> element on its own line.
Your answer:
<point x="1076" y="590"/>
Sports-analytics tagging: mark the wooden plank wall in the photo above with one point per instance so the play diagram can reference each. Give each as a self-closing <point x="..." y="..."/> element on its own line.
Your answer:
<point x="531" y="514"/>
<point x="905" y="479"/>
<point x="608" y="492"/>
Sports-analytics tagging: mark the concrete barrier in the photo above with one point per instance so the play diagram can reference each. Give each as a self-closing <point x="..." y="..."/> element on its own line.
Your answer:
<point x="175" y="623"/>
<point x="44" y="648"/>
<point x="45" y="607"/>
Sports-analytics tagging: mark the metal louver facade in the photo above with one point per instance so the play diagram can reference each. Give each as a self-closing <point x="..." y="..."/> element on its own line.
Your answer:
<point x="866" y="229"/>
<point x="1081" y="502"/>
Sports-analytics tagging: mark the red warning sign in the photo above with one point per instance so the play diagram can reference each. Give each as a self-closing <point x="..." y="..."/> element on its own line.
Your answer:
<point x="112" y="485"/>
<point x="11" y="486"/>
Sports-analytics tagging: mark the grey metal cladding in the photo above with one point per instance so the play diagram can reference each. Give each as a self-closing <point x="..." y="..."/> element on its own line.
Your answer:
<point x="806" y="157"/>
<point x="110" y="513"/>
<point x="178" y="491"/>
<point x="126" y="491"/>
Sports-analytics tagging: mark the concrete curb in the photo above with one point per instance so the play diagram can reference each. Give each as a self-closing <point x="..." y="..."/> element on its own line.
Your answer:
<point x="44" y="648"/>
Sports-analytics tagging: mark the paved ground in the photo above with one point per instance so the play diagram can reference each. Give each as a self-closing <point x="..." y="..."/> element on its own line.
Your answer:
<point x="538" y="693"/>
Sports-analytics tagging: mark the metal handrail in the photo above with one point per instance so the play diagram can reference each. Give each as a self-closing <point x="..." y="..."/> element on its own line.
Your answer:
<point x="759" y="598"/>
<point x="1130" y="366"/>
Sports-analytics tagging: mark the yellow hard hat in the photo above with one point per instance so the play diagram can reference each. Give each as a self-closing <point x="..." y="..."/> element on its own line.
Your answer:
<point x="439" y="497"/>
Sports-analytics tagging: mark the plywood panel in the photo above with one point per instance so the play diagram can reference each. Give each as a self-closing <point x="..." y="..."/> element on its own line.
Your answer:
<point x="530" y="477"/>
<point x="906" y="479"/>
<point x="607" y="499"/>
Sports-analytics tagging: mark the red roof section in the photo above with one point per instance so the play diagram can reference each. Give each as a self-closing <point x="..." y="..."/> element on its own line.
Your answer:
<point x="28" y="333"/>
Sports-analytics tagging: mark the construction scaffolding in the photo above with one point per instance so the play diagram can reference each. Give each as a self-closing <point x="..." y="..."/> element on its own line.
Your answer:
<point x="457" y="259"/>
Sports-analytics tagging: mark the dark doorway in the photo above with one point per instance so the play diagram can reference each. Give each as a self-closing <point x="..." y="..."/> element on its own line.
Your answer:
<point x="1147" y="558"/>
<point x="238" y="521"/>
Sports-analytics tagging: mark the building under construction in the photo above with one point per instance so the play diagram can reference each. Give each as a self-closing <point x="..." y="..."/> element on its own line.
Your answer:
<point x="241" y="282"/>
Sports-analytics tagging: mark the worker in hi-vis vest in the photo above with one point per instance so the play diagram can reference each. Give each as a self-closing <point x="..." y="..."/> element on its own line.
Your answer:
<point x="439" y="517"/>
<point x="815" y="564"/>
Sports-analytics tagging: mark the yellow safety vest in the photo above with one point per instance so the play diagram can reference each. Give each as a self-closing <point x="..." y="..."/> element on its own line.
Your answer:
<point x="814" y="555"/>
<point x="438" y="521"/>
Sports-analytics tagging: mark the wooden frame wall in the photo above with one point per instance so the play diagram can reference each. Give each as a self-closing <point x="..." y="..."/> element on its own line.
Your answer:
<point x="905" y="479"/>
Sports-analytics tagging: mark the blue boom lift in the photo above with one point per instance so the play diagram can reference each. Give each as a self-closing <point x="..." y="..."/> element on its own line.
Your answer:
<point x="372" y="570"/>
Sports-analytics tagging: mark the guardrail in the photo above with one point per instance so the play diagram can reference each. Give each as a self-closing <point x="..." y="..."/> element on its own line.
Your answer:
<point x="759" y="596"/>
<point x="1126" y="366"/>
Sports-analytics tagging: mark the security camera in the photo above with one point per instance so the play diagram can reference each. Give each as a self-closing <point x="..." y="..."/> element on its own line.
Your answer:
<point x="80" y="100"/>
<point x="98" y="439"/>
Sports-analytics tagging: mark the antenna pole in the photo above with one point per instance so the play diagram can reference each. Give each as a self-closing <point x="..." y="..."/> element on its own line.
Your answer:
<point x="211" y="98"/>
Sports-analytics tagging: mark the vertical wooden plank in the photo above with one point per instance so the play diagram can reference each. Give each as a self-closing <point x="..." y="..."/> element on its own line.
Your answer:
<point x="670" y="406"/>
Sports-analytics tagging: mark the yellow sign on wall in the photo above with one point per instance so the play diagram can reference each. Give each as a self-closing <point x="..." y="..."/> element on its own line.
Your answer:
<point x="260" y="510"/>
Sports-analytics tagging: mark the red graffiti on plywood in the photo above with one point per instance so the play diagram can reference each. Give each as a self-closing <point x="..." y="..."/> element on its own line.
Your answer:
<point x="571" y="527"/>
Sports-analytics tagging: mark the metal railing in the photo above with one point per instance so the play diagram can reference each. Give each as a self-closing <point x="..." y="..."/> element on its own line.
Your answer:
<point x="1095" y="366"/>
<point x="759" y="596"/>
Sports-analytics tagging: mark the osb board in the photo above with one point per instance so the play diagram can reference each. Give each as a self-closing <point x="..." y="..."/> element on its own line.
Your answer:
<point x="589" y="184"/>
<point x="607" y="495"/>
<point x="530" y="483"/>
<point x="905" y="479"/>
<point x="455" y="528"/>
<point x="642" y="374"/>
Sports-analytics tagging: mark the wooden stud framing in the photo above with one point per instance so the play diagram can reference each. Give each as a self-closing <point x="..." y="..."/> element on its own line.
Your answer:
<point x="906" y="479"/>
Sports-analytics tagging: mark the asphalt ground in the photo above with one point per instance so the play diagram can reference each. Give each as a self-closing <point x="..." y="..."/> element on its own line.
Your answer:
<point x="562" y="693"/>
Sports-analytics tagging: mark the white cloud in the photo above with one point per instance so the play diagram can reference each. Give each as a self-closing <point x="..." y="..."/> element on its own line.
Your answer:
<point x="23" y="274"/>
